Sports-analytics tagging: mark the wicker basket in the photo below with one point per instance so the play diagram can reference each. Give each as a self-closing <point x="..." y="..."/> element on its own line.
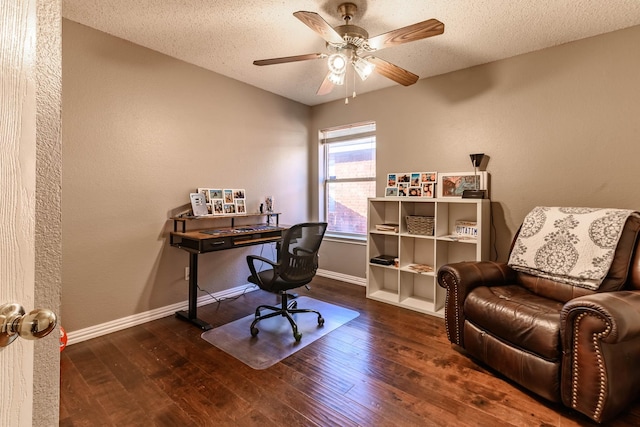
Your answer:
<point x="422" y="225"/>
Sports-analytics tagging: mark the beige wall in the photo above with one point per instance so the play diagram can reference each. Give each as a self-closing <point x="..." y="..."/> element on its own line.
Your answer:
<point x="140" y="131"/>
<point x="560" y="127"/>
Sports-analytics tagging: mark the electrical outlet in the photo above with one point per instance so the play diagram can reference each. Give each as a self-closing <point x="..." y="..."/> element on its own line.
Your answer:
<point x="186" y="273"/>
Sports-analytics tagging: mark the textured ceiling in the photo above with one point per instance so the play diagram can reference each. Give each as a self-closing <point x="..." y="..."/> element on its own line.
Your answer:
<point x="225" y="36"/>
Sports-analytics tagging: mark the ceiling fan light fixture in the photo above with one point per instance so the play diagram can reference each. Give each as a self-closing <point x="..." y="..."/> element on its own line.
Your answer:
<point x="337" y="63"/>
<point x="363" y="67"/>
<point x="336" y="79"/>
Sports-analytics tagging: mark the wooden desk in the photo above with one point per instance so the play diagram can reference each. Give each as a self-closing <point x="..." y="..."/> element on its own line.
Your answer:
<point x="205" y="240"/>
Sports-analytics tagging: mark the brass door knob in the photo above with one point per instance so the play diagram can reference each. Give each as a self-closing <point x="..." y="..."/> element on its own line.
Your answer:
<point x="14" y="323"/>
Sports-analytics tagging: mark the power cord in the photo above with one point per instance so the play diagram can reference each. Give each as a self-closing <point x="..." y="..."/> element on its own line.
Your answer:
<point x="219" y="300"/>
<point x="248" y="288"/>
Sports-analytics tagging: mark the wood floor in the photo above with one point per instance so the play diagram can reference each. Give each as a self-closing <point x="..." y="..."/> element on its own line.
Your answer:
<point x="388" y="367"/>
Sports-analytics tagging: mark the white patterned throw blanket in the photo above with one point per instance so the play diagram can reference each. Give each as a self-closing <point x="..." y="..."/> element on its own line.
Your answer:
<point x="569" y="245"/>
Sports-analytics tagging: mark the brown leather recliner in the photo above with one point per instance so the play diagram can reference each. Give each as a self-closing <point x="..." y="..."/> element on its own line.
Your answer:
<point x="567" y="344"/>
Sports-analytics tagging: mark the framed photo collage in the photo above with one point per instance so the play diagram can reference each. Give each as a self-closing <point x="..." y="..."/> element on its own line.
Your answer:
<point x="225" y="201"/>
<point x="411" y="184"/>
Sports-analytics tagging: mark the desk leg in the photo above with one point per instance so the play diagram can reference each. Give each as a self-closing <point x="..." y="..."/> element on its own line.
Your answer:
<point x="191" y="315"/>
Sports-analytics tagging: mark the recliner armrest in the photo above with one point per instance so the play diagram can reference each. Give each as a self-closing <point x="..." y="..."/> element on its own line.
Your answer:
<point x="601" y="346"/>
<point x="462" y="277"/>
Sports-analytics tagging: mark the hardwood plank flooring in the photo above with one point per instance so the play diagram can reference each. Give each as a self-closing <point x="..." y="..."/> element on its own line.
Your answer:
<point x="388" y="367"/>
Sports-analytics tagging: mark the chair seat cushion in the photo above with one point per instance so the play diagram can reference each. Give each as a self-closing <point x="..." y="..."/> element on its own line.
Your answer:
<point x="277" y="285"/>
<point x="515" y="315"/>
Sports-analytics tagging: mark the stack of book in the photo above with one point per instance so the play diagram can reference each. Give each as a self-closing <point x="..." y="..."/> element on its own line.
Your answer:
<point x="421" y="268"/>
<point x="387" y="227"/>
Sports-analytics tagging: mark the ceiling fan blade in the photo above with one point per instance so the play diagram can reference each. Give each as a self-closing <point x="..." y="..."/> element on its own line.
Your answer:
<point x="326" y="86"/>
<point x="393" y="72"/>
<point x="320" y="26"/>
<point x="419" y="31"/>
<point x="285" y="59"/>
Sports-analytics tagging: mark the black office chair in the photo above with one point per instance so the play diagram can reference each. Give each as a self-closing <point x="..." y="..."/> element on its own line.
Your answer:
<point x="296" y="266"/>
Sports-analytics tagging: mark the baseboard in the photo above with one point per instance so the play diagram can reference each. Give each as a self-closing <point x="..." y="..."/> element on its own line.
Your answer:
<point x="96" y="331"/>
<point x="158" y="313"/>
<point x="342" y="277"/>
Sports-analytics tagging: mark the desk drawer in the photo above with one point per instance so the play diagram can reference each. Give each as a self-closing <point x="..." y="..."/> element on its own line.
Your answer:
<point x="218" y="244"/>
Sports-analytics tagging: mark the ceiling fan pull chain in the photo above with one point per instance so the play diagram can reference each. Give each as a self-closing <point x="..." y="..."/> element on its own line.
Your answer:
<point x="346" y="89"/>
<point x="354" y="85"/>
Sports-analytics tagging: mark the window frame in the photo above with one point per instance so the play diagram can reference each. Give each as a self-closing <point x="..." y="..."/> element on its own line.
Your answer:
<point x="325" y="180"/>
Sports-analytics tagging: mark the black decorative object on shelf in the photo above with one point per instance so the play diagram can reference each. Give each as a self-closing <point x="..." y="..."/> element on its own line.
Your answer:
<point x="476" y="160"/>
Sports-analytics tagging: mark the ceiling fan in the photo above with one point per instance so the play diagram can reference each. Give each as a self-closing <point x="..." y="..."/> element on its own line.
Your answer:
<point x="350" y="44"/>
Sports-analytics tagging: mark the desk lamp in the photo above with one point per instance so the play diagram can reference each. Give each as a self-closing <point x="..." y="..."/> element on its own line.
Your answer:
<point x="476" y="160"/>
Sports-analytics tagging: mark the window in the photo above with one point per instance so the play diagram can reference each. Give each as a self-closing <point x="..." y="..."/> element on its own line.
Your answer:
<point x="348" y="175"/>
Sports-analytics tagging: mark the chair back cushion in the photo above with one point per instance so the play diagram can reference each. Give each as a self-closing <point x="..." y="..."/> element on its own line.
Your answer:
<point x="299" y="251"/>
<point x="623" y="274"/>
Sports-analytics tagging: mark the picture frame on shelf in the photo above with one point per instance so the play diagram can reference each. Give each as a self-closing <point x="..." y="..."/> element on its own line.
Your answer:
<point x="415" y="191"/>
<point x="228" y="196"/>
<point x="268" y="203"/>
<point x="452" y="184"/>
<point x="403" y="178"/>
<point x="428" y="177"/>
<point x="403" y="189"/>
<point x="240" y="206"/>
<point x="204" y="192"/>
<point x="428" y="189"/>
<point x="217" y="207"/>
<point x="391" y="191"/>
<point x="229" y="209"/>
<point x="215" y="194"/>
<point x="392" y="180"/>
<point x="239" y="194"/>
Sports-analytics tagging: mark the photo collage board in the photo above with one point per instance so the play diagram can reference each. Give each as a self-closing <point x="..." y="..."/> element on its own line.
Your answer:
<point x="225" y="201"/>
<point x="411" y="184"/>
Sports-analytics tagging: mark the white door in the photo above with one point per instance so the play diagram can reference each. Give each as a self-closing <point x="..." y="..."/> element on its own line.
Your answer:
<point x="17" y="198"/>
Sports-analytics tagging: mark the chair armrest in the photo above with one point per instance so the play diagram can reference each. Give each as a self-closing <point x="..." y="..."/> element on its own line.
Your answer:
<point x="461" y="278"/>
<point x="251" y="259"/>
<point x="601" y="347"/>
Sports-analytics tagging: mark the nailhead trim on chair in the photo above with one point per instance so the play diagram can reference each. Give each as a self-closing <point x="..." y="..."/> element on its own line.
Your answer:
<point x="574" y="384"/>
<point x="452" y="287"/>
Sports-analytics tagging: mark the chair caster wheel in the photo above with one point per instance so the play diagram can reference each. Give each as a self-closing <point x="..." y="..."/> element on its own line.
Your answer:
<point x="297" y="336"/>
<point x="320" y="321"/>
<point x="254" y="332"/>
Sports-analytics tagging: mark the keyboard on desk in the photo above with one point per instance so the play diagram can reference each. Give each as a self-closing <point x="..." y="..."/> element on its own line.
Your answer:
<point x="238" y="230"/>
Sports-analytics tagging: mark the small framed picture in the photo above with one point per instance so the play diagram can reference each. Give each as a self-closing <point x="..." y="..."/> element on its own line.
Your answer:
<point x="428" y="189"/>
<point x="205" y="192"/>
<point x="229" y="208"/>
<point x="415" y="179"/>
<point x="392" y="180"/>
<point x="452" y="184"/>
<point x="268" y="203"/>
<point x="228" y="196"/>
<point x="217" y="207"/>
<point x="240" y="206"/>
<point x="238" y="194"/>
<point x="215" y="193"/>
<point x="415" y="192"/>
<point x="428" y="177"/>
<point x="403" y="189"/>
<point x="404" y="177"/>
<point x="391" y="191"/>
